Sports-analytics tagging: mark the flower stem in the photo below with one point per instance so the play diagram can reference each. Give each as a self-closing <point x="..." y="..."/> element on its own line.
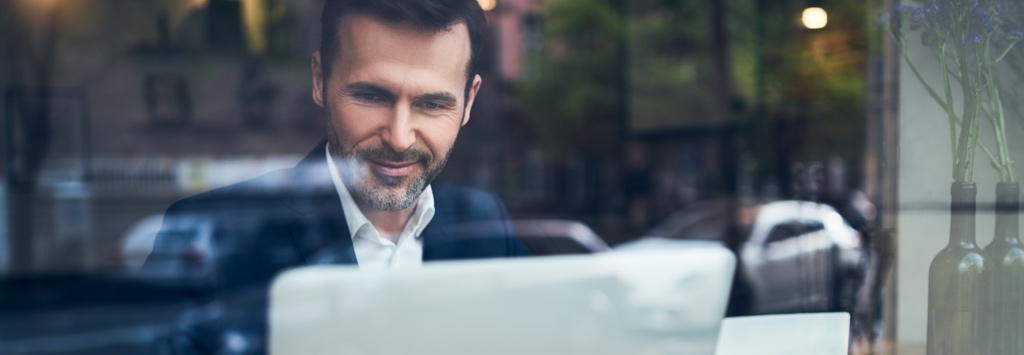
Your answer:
<point x="999" y="126"/>
<point x="963" y="162"/>
<point x="950" y="113"/>
<point x="1007" y="51"/>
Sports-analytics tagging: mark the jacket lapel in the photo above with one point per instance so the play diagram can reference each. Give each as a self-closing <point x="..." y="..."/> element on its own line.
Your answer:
<point x="437" y="241"/>
<point x="322" y="235"/>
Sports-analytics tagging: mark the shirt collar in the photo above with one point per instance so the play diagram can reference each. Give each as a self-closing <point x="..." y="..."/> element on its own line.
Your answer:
<point x="355" y="218"/>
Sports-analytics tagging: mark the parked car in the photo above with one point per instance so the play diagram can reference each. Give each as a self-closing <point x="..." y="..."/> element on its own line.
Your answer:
<point x="704" y="220"/>
<point x="799" y="256"/>
<point x="186" y="254"/>
<point x="541" y="237"/>
<point x="558" y="237"/>
<point x="195" y="248"/>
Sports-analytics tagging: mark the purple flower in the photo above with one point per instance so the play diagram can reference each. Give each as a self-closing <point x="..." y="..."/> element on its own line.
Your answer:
<point x="1001" y="14"/>
<point x="937" y="14"/>
<point x="974" y="38"/>
<point x="1015" y="34"/>
<point x="982" y="17"/>
<point x="980" y="14"/>
<point x="897" y="12"/>
<point x="917" y="15"/>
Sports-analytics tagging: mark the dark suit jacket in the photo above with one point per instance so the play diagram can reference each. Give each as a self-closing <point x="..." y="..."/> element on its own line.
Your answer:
<point x="293" y="217"/>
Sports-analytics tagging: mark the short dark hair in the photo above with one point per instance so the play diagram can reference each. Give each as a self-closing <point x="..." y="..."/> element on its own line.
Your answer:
<point x="426" y="15"/>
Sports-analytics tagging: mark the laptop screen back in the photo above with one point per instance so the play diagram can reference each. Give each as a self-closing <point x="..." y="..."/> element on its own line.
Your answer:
<point x="669" y="302"/>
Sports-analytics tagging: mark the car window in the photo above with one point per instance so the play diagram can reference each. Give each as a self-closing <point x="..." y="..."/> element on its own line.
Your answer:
<point x="785" y="230"/>
<point x="790" y="229"/>
<point x="811" y="226"/>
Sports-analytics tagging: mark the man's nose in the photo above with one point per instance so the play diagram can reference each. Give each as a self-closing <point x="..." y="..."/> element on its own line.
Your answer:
<point x="399" y="134"/>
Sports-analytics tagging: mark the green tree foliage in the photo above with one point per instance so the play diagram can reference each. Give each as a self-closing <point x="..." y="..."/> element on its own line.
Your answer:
<point x="575" y="99"/>
<point x="670" y="65"/>
<point x="646" y="66"/>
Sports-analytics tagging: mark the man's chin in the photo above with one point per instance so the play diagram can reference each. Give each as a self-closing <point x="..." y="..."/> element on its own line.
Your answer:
<point x="387" y="200"/>
<point x="389" y="193"/>
<point x="384" y="181"/>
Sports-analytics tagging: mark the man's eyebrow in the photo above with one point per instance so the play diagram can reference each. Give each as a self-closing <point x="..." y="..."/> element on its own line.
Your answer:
<point x="438" y="96"/>
<point x="365" y="86"/>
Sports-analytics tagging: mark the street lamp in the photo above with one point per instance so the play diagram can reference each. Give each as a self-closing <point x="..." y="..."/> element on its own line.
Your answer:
<point x="814" y="18"/>
<point x="487" y="5"/>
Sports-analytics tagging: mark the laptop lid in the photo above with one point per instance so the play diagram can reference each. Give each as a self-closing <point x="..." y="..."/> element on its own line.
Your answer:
<point x="669" y="302"/>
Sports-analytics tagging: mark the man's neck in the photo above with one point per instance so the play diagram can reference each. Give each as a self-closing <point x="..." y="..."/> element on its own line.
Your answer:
<point x="389" y="224"/>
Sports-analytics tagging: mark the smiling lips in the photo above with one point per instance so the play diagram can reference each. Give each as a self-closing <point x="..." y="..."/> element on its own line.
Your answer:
<point x="392" y="168"/>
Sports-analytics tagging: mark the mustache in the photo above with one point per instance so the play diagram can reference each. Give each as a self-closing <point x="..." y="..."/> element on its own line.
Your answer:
<point x="386" y="154"/>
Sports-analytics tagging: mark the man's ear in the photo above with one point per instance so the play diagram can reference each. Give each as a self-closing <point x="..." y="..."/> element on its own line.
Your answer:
<point x="477" y="80"/>
<point x="318" y="79"/>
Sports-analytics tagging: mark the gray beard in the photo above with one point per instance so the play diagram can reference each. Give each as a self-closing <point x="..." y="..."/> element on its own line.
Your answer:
<point x="384" y="199"/>
<point x="377" y="191"/>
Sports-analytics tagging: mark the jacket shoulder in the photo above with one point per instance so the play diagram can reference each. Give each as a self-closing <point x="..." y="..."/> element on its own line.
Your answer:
<point x="465" y="204"/>
<point x="268" y="190"/>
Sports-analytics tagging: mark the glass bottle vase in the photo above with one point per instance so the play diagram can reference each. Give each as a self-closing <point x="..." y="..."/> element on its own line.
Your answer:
<point x="956" y="281"/>
<point x="1005" y="314"/>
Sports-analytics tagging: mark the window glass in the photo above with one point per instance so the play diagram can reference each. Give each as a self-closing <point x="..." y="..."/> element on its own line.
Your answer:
<point x="597" y="166"/>
<point x="786" y="230"/>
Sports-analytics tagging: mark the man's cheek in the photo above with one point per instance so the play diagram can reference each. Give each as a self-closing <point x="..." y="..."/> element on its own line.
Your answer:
<point x="442" y="135"/>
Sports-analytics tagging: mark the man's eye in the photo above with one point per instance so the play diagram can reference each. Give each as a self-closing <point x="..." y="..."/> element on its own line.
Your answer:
<point x="430" y="105"/>
<point x="367" y="97"/>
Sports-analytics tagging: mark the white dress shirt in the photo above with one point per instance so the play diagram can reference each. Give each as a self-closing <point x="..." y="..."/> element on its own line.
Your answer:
<point x="374" y="252"/>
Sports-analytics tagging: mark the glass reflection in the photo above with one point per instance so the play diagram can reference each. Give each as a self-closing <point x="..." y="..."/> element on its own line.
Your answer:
<point x="165" y="161"/>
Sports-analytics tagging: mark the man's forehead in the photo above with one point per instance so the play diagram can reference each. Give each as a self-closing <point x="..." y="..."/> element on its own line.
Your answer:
<point x="372" y="38"/>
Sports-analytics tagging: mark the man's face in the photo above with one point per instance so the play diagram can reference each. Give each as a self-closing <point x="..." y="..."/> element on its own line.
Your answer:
<point x="395" y="102"/>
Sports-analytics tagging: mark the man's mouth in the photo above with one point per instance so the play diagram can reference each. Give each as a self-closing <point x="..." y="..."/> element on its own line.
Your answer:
<point x="392" y="168"/>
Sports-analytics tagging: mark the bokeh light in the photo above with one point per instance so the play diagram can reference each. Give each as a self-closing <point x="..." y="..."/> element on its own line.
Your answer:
<point x="815" y="18"/>
<point x="488" y="5"/>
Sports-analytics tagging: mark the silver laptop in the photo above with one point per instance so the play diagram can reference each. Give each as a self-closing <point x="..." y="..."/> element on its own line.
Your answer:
<point x="655" y="302"/>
